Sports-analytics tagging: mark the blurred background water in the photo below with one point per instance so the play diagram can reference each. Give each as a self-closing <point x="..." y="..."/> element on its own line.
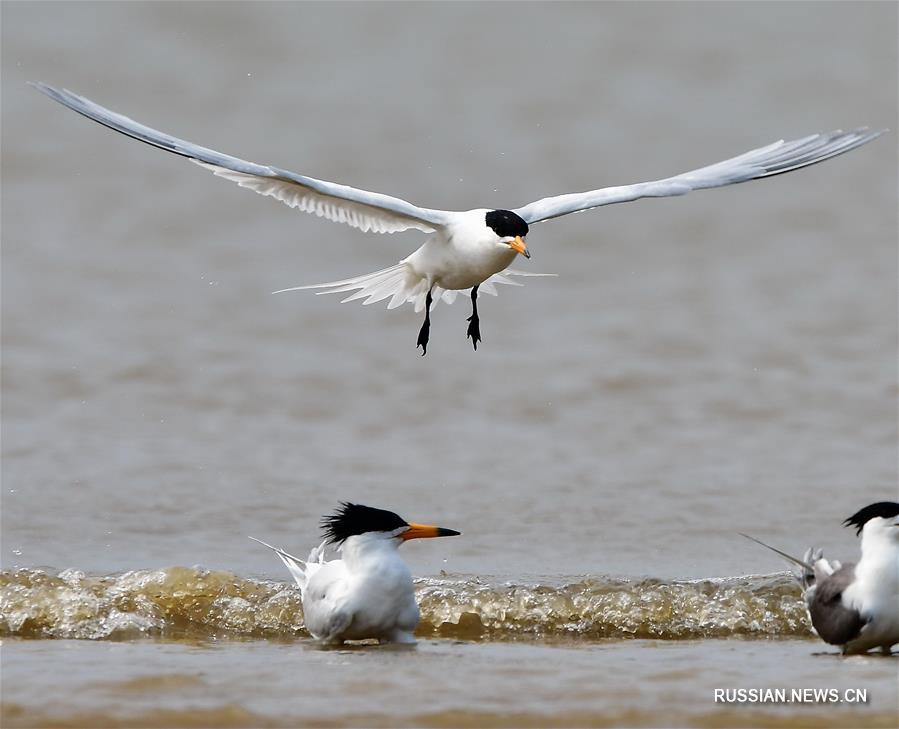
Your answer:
<point x="721" y="362"/>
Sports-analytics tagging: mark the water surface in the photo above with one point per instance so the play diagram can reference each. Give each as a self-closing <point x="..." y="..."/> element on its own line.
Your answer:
<point x="716" y="363"/>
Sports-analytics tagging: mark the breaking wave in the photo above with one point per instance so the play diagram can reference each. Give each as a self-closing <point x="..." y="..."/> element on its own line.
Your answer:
<point x="181" y="602"/>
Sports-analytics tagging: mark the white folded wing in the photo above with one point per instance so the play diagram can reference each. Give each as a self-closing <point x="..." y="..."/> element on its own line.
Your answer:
<point x="775" y="159"/>
<point x="368" y="211"/>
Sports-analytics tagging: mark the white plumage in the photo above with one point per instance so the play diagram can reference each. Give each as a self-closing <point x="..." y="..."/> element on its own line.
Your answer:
<point x="368" y="592"/>
<point x="855" y="605"/>
<point x="464" y="250"/>
<point x="870" y="587"/>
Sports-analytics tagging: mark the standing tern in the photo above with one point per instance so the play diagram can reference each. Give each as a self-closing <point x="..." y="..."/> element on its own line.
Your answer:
<point x="468" y="250"/>
<point x="368" y="593"/>
<point x="855" y="605"/>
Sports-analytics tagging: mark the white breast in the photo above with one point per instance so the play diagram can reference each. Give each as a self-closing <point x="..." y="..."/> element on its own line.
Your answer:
<point x="465" y="254"/>
<point x="367" y="594"/>
<point x="875" y="592"/>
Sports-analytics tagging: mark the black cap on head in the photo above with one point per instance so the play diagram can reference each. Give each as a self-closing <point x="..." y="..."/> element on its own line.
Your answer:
<point x="883" y="509"/>
<point x="506" y="224"/>
<point x="351" y="519"/>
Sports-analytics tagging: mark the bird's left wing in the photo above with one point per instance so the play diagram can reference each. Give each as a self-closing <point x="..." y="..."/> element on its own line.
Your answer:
<point x="774" y="159"/>
<point x="836" y="621"/>
<point x="368" y="211"/>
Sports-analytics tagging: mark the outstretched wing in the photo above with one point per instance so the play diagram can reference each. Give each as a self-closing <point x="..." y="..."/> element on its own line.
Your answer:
<point x="368" y="211"/>
<point x="775" y="159"/>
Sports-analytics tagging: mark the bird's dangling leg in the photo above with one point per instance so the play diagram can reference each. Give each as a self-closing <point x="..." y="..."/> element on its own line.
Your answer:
<point x="425" y="332"/>
<point x="474" y="326"/>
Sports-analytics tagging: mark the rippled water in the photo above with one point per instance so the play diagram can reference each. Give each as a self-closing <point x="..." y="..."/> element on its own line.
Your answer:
<point x="178" y="602"/>
<point x="717" y="363"/>
<point x="626" y="648"/>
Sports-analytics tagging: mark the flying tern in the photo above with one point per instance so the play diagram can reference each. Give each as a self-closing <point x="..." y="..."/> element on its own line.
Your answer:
<point x="367" y="593"/>
<point x="855" y="605"/>
<point x="463" y="251"/>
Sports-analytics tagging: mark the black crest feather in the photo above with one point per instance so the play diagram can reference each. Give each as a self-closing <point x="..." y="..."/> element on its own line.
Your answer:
<point x="506" y="224"/>
<point x="883" y="509"/>
<point x="351" y="519"/>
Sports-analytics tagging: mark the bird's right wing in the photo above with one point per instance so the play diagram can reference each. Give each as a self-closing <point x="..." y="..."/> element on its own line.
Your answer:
<point x="326" y="612"/>
<point x="774" y="159"/>
<point x="368" y="211"/>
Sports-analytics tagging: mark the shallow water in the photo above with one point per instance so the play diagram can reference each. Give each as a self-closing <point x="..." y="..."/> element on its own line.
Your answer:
<point x="438" y="684"/>
<point x="721" y="362"/>
<point x="191" y="603"/>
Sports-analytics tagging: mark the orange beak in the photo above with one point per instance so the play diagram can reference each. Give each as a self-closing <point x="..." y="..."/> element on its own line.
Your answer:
<point x="519" y="246"/>
<point x="426" y="531"/>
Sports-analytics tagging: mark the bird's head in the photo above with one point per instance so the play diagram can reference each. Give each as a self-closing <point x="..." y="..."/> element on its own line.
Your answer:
<point x="875" y="520"/>
<point x="354" y="519"/>
<point x="510" y="230"/>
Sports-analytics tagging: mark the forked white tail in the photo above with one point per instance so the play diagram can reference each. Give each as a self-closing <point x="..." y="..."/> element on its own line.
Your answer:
<point x="402" y="284"/>
<point x="300" y="570"/>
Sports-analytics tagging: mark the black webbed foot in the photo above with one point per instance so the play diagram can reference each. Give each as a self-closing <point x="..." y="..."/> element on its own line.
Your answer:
<point x="425" y="332"/>
<point x="423" y="336"/>
<point x="474" y="330"/>
<point x="474" y="322"/>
